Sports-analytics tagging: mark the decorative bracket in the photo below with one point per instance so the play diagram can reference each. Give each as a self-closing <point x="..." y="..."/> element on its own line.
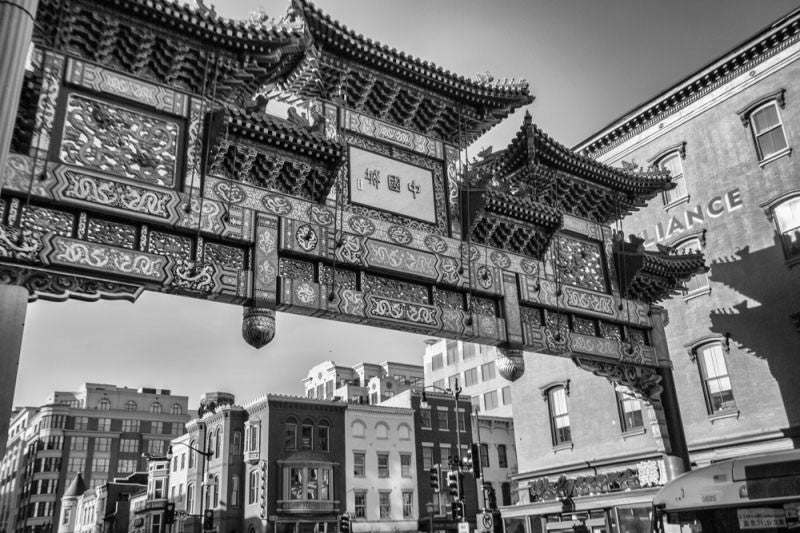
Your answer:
<point x="644" y="382"/>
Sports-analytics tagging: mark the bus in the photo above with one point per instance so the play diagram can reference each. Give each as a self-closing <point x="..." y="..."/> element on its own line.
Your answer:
<point x="754" y="494"/>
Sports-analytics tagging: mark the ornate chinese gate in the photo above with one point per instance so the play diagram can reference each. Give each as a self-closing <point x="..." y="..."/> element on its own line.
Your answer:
<point x="142" y="159"/>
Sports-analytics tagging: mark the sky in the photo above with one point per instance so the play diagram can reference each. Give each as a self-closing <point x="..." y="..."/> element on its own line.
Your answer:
<point x="587" y="62"/>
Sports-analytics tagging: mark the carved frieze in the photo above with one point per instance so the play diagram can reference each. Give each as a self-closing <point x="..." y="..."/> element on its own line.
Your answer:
<point x="112" y="233"/>
<point x="67" y="252"/>
<point x="384" y="131"/>
<point x="265" y="261"/>
<point x="643" y="381"/>
<point x="399" y="259"/>
<point x="56" y="286"/>
<point x="400" y="311"/>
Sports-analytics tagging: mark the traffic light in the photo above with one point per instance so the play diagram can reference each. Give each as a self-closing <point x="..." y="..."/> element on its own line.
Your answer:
<point x="344" y="524"/>
<point x="435" y="472"/>
<point x="169" y="513"/>
<point x="208" y="519"/>
<point x="457" y="510"/>
<point x="453" y="483"/>
<point x="474" y="459"/>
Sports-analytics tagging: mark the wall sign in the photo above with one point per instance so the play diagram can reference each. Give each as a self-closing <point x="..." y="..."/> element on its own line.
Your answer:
<point x="389" y="185"/>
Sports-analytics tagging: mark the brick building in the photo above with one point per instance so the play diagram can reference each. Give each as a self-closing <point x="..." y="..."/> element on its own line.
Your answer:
<point x="588" y="451"/>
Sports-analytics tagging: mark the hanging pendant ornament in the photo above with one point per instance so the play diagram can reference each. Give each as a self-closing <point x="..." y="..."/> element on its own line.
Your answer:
<point x="258" y="326"/>
<point x="510" y="363"/>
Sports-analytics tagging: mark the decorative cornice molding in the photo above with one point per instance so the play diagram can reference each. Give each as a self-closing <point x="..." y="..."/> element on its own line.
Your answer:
<point x="693" y="346"/>
<point x="544" y="389"/>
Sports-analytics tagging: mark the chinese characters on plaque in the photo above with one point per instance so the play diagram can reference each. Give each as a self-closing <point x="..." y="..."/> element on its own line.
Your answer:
<point x="390" y="185"/>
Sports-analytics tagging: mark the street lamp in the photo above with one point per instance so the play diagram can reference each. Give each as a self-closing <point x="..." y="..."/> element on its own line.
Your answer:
<point x="206" y="456"/>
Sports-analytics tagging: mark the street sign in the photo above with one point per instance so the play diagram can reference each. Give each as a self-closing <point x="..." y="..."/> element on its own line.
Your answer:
<point x="463" y="527"/>
<point x="180" y="515"/>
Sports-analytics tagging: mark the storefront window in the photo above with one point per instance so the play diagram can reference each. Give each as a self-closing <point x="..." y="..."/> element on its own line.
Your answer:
<point x="633" y="519"/>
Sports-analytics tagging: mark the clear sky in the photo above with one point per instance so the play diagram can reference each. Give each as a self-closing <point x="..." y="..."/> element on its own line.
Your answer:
<point x="587" y="61"/>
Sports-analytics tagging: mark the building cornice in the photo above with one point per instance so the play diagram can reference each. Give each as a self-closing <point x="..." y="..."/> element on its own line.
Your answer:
<point x="742" y="58"/>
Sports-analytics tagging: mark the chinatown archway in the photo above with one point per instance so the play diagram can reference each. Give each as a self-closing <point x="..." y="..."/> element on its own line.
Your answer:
<point x="142" y="159"/>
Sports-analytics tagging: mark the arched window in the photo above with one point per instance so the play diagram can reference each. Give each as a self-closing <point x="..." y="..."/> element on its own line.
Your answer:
<point x="130" y="405"/>
<point x="217" y="443"/>
<point x="698" y="283"/>
<point x="713" y="368"/>
<point x="323" y="436"/>
<point x="177" y="409"/>
<point x="785" y="214"/>
<point x="190" y="498"/>
<point x="156" y="408"/>
<point x="358" y="429"/>
<point x="307" y="435"/>
<point x="290" y="435"/>
<point x="404" y="432"/>
<point x="673" y="162"/>
<point x="193" y="445"/>
<point x="236" y="444"/>
<point x="104" y="404"/>
<point x="252" y="490"/>
<point x="381" y="430"/>
<point x="210" y="444"/>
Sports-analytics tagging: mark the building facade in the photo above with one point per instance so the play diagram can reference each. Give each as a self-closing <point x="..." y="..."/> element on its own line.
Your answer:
<point x="382" y="478"/>
<point x="363" y="383"/>
<point x="473" y="365"/>
<point x="725" y="133"/>
<point x="99" y="431"/>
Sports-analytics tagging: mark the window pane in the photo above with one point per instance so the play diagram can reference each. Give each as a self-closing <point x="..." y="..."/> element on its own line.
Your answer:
<point x="765" y="118"/>
<point x="558" y="399"/>
<point x="714" y="361"/>
<point x="296" y="489"/>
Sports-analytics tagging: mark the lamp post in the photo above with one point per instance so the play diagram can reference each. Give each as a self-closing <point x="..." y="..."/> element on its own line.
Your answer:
<point x="206" y="456"/>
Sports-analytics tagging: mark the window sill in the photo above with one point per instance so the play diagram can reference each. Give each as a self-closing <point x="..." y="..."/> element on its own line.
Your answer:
<point x="697" y="293"/>
<point x="777" y="155"/>
<point x="675" y="203"/>
<point x="729" y="413"/>
<point x="561" y="447"/>
<point x="633" y="432"/>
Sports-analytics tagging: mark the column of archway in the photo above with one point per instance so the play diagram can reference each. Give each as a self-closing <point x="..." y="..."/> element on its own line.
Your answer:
<point x="16" y="27"/>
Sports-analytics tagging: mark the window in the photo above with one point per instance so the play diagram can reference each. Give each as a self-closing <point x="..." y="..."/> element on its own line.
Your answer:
<point x="155" y="446"/>
<point x="216" y="492"/>
<point x="102" y="444"/>
<point x="452" y="382"/>
<point x="471" y="377"/>
<point x="673" y="163"/>
<point x="436" y="362"/>
<point x="156" y="408"/>
<point x="104" y="404"/>
<point x="183" y="461"/>
<point x="507" y="395"/>
<point x="462" y="420"/>
<point x="76" y="464"/>
<point x="502" y="458"/>
<point x="787" y="219"/>
<point x="307" y="436"/>
<point x="408" y="504"/>
<point x="358" y="429"/>
<point x="360" y="499"/>
<point x="559" y="416"/>
<point x="439" y="384"/>
<point x="383" y="465"/>
<point x="155" y="526"/>
<point x="130" y="405"/>
<point x="192" y="446"/>
<point x="405" y="464"/>
<point x="190" y="498"/>
<point x="427" y="457"/>
<point x="381" y="430"/>
<point x="442" y="419"/>
<point x="505" y="491"/>
<point x="425" y="418"/>
<point x="699" y="282"/>
<point x="100" y="464"/>
<point x="630" y="411"/>
<point x="157" y="427"/>
<point x="485" y="456"/>
<point x="329" y="389"/>
<point x="217" y="443"/>
<point x="323" y="442"/>
<point x="81" y="422"/>
<point x="308" y="483"/>
<point x="253" y="437"/>
<point x="130" y="426"/>
<point x="236" y="443"/>
<point x="79" y="444"/>
<point x="767" y="128"/>
<point x="176" y="409"/>
<point x="452" y="352"/>
<point x="469" y="350"/>
<point x="290" y="436"/>
<point x="384" y="502"/>
<point x="716" y="381"/>
<point x="404" y="432"/>
<point x="235" y="490"/>
<point x="103" y="424"/>
<point x="359" y="464"/>
<point x="253" y="488"/>
<point x="490" y="400"/>
<point x="489" y="371"/>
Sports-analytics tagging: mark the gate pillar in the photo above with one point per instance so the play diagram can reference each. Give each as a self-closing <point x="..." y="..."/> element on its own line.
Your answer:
<point x="13" y="306"/>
